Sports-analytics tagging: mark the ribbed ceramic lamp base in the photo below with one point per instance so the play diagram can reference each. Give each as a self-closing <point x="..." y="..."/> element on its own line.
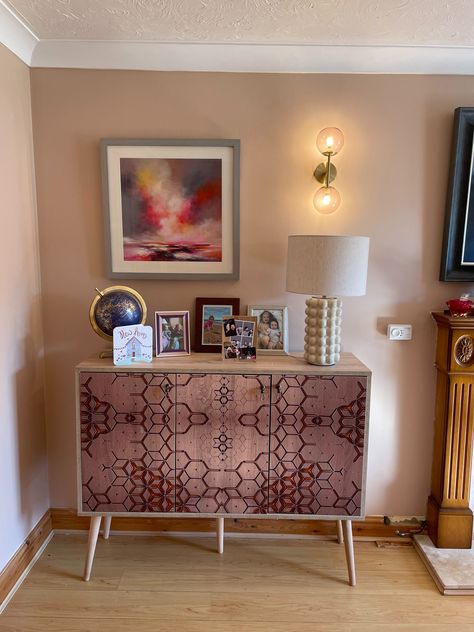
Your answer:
<point x="322" y="341"/>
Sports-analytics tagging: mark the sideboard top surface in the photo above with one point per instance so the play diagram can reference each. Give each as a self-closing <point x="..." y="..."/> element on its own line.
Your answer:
<point x="213" y="363"/>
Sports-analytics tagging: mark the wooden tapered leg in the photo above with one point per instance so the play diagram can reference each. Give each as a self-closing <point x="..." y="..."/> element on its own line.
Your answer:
<point x="107" y="523"/>
<point x="220" y="535"/>
<point x="340" y="536"/>
<point x="93" y="535"/>
<point x="349" y="546"/>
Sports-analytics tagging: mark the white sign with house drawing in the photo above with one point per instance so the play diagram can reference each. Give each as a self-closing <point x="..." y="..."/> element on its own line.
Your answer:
<point x="133" y="343"/>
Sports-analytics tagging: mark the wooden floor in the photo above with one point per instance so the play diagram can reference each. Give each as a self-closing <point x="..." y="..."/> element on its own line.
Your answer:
<point x="150" y="584"/>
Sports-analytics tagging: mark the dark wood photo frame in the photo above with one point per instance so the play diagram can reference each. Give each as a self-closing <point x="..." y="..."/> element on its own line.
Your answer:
<point x="199" y="345"/>
<point x="457" y="259"/>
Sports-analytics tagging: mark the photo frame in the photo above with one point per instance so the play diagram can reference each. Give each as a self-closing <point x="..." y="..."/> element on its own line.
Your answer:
<point x="171" y="208"/>
<point x="457" y="258"/>
<point x="271" y="339"/>
<point x="172" y="333"/>
<point x="238" y="337"/>
<point x="208" y="322"/>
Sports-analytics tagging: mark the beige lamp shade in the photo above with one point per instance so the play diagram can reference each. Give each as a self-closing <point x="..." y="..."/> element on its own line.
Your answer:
<point x="327" y="265"/>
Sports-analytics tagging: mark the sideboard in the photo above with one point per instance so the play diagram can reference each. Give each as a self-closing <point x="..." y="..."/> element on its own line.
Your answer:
<point x="198" y="435"/>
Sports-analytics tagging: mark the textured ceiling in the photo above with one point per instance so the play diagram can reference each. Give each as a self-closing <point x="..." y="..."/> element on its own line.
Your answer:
<point x="385" y="22"/>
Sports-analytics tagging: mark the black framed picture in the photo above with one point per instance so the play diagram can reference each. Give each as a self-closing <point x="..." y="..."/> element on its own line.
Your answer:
<point x="457" y="259"/>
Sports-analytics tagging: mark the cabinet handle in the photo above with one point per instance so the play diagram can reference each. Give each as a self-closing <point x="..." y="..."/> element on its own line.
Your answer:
<point x="263" y="388"/>
<point x="279" y="390"/>
<point x="167" y="388"/>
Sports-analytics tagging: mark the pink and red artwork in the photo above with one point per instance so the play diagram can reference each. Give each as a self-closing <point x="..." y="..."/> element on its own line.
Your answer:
<point x="171" y="209"/>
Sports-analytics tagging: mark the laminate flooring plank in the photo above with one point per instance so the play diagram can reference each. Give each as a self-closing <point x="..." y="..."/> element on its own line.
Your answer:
<point x="282" y="582"/>
<point x="163" y="565"/>
<point x="284" y="579"/>
<point x="27" y="624"/>
<point x="31" y="624"/>
<point x="183" y="585"/>
<point x="182" y="551"/>
<point x="281" y="575"/>
<point x="324" y="606"/>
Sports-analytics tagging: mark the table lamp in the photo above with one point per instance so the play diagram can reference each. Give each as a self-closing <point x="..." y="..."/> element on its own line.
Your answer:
<point x="326" y="267"/>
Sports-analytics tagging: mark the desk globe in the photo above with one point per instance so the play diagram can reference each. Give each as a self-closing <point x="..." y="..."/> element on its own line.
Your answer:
<point x="116" y="306"/>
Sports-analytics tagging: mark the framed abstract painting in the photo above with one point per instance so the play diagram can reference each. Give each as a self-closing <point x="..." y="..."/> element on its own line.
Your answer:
<point x="171" y="208"/>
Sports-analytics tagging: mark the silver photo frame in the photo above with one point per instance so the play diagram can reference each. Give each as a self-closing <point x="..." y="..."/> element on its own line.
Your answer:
<point x="271" y="340"/>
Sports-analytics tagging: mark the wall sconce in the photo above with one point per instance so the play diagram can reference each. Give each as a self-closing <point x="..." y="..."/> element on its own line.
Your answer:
<point x="329" y="142"/>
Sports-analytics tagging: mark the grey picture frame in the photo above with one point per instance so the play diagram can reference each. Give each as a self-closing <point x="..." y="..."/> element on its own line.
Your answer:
<point x="110" y="223"/>
<point x="459" y="217"/>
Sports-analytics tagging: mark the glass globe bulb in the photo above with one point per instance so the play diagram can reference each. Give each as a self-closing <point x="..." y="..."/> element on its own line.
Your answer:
<point x="327" y="200"/>
<point x="330" y="140"/>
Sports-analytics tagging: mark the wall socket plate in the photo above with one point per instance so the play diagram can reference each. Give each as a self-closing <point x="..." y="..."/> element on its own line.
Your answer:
<point x="399" y="332"/>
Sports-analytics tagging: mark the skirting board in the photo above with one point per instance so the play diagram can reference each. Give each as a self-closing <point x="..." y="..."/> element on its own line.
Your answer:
<point x="18" y="566"/>
<point x="26" y="572"/>
<point x="372" y="527"/>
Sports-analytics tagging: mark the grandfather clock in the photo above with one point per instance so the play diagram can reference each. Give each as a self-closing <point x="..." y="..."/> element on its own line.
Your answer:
<point x="448" y="514"/>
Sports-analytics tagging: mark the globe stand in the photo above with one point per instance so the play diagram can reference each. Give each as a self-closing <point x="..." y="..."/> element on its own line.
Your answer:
<point x="115" y="306"/>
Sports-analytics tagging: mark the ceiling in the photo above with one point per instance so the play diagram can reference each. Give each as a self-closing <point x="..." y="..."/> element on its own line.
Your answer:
<point x="369" y="22"/>
<point x="284" y="35"/>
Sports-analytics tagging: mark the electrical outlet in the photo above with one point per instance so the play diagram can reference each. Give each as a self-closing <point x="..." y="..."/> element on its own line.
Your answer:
<point x="399" y="332"/>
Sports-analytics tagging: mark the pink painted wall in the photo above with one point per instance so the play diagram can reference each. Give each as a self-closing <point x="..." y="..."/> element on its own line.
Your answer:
<point x="393" y="176"/>
<point x="23" y="469"/>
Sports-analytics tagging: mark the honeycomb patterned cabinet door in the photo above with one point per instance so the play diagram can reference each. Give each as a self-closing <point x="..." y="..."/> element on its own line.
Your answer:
<point x="317" y="445"/>
<point x="127" y="442"/>
<point x="222" y="433"/>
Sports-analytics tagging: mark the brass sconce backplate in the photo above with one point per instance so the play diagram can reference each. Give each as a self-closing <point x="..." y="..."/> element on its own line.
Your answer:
<point x="320" y="172"/>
